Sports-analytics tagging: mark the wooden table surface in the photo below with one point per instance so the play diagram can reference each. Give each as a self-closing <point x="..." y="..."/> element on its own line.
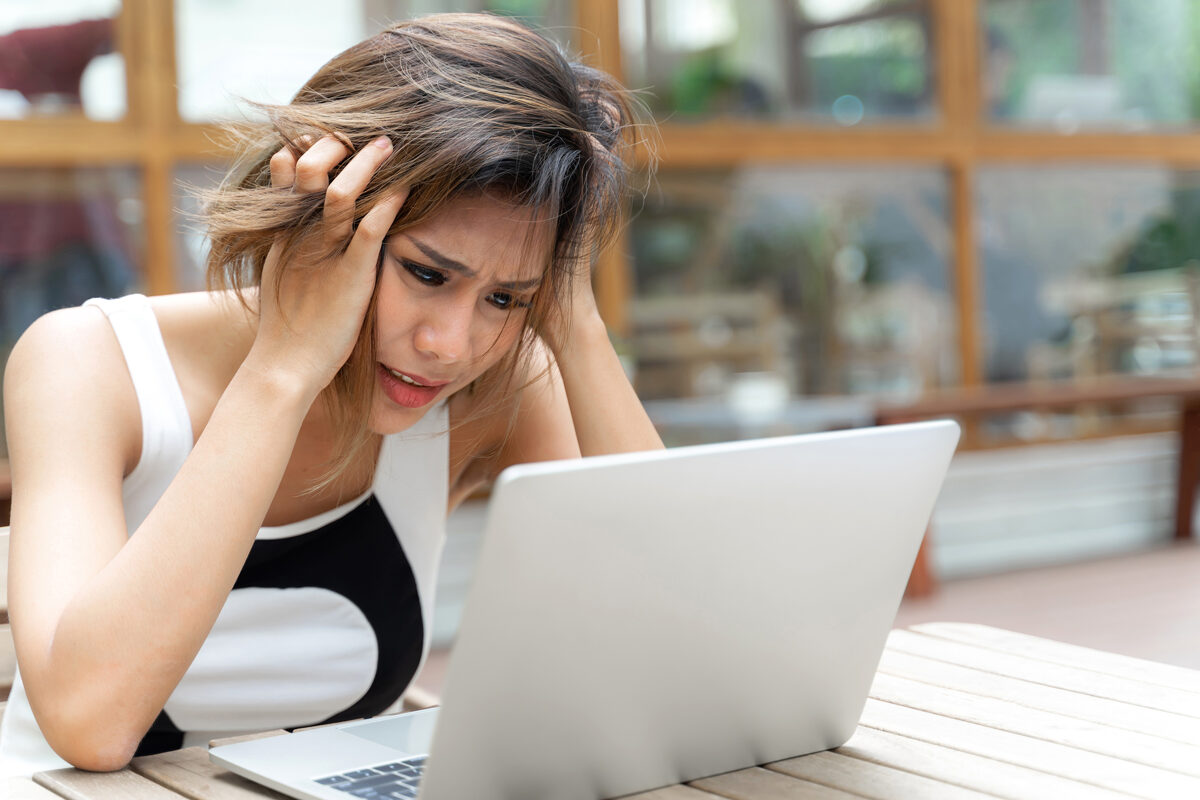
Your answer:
<point x="956" y="711"/>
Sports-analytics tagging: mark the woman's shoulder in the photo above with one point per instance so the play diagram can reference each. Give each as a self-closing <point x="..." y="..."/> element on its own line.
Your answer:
<point x="68" y="364"/>
<point x="73" y="342"/>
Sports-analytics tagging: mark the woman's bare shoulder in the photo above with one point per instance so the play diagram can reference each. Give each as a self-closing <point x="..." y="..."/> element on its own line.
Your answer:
<point x="67" y="370"/>
<point x="70" y="342"/>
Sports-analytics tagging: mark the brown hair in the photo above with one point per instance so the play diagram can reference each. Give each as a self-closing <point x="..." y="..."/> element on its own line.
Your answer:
<point x="471" y="103"/>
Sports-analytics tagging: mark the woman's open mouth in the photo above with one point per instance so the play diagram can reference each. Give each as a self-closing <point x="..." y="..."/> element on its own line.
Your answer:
<point x="410" y="391"/>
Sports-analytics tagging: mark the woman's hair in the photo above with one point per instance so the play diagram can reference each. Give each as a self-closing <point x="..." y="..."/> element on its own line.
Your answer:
<point x="473" y="103"/>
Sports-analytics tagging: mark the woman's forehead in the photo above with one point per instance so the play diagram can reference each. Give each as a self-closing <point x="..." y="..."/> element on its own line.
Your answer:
<point x="485" y="233"/>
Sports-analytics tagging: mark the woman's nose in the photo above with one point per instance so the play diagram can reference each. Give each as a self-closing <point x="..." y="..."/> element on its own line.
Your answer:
<point x="445" y="334"/>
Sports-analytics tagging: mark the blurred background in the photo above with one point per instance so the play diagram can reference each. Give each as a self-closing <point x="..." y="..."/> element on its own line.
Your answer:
<point x="857" y="203"/>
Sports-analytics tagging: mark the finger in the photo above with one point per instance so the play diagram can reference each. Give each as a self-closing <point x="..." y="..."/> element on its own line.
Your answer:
<point x="374" y="227"/>
<point x="342" y="194"/>
<point x="283" y="169"/>
<point x="312" y="168"/>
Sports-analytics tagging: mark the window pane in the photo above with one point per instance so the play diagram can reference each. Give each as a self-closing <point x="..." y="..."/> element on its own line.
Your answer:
<point x="826" y="61"/>
<point x="191" y="242"/>
<point x="60" y="58"/>
<point x="1107" y="64"/>
<point x="222" y="54"/>
<point x="794" y="280"/>
<point x="66" y="235"/>
<point x="1088" y="271"/>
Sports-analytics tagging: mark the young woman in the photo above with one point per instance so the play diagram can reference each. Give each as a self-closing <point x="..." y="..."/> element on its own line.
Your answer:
<point x="229" y="506"/>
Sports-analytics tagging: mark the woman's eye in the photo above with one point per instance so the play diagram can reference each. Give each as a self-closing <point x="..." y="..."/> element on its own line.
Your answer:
<point x="426" y="275"/>
<point x="505" y="301"/>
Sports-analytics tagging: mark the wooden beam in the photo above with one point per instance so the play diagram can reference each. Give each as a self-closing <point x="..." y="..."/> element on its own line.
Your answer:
<point x="126" y="43"/>
<point x="958" y="70"/>
<point x="601" y="46"/>
<point x="729" y="143"/>
<point x="161" y="121"/>
<point x="600" y="35"/>
<point x="966" y="277"/>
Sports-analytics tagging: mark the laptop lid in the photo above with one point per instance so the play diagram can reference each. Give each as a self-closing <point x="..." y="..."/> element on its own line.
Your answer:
<point x="643" y="619"/>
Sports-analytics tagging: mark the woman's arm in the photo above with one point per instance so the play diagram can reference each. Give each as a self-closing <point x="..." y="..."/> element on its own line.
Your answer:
<point x="608" y="417"/>
<point x="105" y="627"/>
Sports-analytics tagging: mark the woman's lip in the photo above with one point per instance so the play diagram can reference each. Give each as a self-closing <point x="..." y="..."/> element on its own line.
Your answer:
<point x="423" y="381"/>
<point x="405" y="394"/>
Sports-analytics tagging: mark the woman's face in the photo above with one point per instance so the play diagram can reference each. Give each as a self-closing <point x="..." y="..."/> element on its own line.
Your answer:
<point x="452" y="300"/>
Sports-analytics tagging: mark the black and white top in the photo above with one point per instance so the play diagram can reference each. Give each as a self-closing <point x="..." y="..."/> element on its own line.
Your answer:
<point x="330" y="617"/>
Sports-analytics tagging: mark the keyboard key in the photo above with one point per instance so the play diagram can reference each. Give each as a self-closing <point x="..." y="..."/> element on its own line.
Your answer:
<point x="376" y="781"/>
<point x="397" y="779"/>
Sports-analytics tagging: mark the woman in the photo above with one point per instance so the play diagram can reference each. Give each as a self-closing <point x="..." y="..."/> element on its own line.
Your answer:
<point x="229" y="506"/>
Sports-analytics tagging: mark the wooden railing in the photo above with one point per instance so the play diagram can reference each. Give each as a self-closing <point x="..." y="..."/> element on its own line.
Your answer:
<point x="976" y="401"/>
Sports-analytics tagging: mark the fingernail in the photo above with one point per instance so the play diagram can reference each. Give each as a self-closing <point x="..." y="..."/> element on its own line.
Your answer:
<point x="383" y="143"/>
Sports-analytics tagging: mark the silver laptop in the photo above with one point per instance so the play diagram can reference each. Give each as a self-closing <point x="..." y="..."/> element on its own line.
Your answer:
<point x="645" y="619"/>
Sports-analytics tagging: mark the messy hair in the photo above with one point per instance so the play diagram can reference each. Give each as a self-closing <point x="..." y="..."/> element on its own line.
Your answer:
<point x="473" y="103"/>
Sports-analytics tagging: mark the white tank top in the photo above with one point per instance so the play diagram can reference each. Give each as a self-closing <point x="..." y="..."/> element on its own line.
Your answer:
<point x="331" y="616"/>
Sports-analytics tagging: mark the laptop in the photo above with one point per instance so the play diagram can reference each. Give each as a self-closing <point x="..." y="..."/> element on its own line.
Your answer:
<point x="644" y="619"/>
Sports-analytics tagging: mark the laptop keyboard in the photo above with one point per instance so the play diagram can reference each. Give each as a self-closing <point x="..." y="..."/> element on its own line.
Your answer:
<point x="396" y="780"/>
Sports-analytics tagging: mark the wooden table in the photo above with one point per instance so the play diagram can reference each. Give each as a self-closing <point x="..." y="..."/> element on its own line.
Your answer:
<point x="956" y="711"/>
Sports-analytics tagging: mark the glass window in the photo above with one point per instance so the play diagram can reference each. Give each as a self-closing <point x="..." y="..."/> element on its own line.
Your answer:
<point x="61" y="58"/>
<point x="224" y="57"/>
<point x="1109" y="64"/>
<point x="827" y="61"/>
<point x="191" y="240"/>
<point x="794" y="281"/>
<point x="66" y="235"/>
<point x="1088" y="271"/>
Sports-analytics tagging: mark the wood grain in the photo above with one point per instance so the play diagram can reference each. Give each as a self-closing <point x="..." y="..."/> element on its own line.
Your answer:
<point x="190" y="773"/>
<point x="960" y="768"/>
<point x="1057" y="728"/>
<point x="1074" y="678"/>
<point x="869" y="779"/>
<point x="1007" y="747"/>
<point x="1069" y="655"/>
<point x="677" y="792"/>
<point x="75" y="784"/>
<point x="245" y="737"/>
<point x="757" y="783"/>
<point x="1081" y="704"/>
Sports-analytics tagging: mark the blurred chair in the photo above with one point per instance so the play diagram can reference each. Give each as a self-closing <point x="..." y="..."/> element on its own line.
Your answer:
<point x="688" y="346"/>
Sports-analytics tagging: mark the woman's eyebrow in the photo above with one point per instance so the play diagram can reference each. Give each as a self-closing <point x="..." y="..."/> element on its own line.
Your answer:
<point x="520" y="286"/>
<point x="445" y="262"/>
<point x="442" y="261"/>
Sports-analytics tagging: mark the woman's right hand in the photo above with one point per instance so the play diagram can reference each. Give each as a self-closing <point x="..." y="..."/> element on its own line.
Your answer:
<point x="311" y="309"/>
